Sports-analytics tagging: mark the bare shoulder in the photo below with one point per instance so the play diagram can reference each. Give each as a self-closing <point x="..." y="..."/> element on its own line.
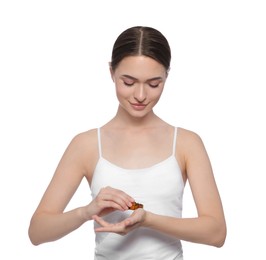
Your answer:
<point x="85" y="139"/>
<point x="86" y="143"/>
<point x="189" y="148"/>
<point x="85" y="146"/>
<point x="192" y="153"/>
<point x="188" y="137"/>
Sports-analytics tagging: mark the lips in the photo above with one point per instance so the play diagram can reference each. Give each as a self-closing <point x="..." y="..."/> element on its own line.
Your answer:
<point x="138" y="106"/>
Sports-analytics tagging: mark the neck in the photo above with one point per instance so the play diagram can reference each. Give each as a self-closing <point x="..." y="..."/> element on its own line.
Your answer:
<point x="125" y="120"/>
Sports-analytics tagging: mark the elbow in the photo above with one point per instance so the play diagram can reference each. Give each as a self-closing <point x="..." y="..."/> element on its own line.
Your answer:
<point x="34" y="242"/>
<point x="215" y="232"/>
<point x="33" y="233"/>
<point x="221" y="239"/>
<point x="219" y="236"/>
<point x="219" y="242"/>
<point x="32" y="238"/>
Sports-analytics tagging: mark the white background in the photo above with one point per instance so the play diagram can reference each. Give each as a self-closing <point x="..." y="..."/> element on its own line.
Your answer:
<point x="55" y="83"/>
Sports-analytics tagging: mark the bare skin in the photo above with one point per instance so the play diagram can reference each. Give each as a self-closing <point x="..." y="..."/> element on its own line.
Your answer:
<point x="131" y="140"/>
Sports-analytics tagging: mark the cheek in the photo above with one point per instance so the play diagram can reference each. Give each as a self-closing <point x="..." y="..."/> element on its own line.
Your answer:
<point x="156" y="93"/>
<point x="122" y="91"/>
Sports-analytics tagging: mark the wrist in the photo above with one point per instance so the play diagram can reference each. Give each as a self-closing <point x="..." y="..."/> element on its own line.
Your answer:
<point x="84" y="214"/>
<point x="147" y="219"/>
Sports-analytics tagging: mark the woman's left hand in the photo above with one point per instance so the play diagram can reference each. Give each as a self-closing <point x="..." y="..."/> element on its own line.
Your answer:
<point x="123" y="227"/>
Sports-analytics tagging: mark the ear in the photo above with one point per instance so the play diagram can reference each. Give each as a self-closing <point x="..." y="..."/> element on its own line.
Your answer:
<point x="111" y="71"/>
<point x="167" y="72"/>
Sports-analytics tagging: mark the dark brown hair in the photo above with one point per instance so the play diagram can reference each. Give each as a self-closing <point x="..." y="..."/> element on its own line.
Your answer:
<point x="141" y="40"/>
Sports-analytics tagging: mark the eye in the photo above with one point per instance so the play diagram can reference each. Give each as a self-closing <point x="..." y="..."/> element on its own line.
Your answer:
<point x="154" y="84"/>
<point x="129" y="83"/>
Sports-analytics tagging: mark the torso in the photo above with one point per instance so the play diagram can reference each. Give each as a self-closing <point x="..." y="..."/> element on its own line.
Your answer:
<point x="142" y="163"/>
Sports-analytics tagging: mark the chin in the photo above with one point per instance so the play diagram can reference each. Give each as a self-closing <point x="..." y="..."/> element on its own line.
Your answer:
<point x="139" y="114"/>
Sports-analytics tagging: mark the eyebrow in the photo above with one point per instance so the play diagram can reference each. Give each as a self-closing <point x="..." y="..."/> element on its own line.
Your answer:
<point x="130" y="77"/>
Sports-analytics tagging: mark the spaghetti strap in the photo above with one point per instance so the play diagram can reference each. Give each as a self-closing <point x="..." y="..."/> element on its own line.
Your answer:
<point x="174" y="141"/>
<point x="99" y="142"/>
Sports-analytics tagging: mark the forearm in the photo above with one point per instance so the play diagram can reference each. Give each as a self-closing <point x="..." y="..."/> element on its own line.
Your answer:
<point x="47" y="227"/>
<point x="204" y="230"/>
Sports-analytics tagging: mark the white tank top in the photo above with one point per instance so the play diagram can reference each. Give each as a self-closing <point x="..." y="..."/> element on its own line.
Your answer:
<point x="160" y="189"/>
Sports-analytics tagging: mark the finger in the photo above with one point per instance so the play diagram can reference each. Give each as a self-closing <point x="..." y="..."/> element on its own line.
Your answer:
<point x="118" y="196"/>
<point x="121" y="228"/>
<point x="111" y="205"/>
<point x="112" y="229"/>
<point x="125" y="198"/>
<point x="100" y="221"/>
<point x="128" y="222"/>
<point x="135" y="218"/>
<point x="115" y="199"/>
<point x="118" y="228"/>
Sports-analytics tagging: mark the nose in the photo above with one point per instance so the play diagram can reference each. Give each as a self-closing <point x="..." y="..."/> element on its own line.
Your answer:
<point x="140" y="94"/>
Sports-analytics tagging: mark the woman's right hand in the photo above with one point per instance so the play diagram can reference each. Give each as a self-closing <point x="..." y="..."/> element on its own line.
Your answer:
<point x="109" y="200"/>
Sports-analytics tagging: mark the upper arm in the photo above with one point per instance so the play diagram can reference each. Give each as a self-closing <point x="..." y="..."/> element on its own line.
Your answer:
<point x="200" y="176"/>
<point x="69" y="173"/>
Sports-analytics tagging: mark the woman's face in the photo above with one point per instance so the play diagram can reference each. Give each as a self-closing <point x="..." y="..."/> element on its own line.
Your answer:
<point x="139" y="82"/>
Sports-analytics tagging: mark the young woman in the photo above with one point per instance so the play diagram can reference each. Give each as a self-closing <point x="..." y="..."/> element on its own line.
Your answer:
<point x="136" y="157"/>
